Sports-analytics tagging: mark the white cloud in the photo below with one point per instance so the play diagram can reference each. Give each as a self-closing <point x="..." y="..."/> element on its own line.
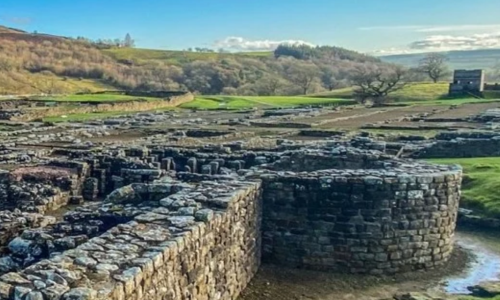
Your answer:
<point x="431" y="28"/>
<point x="469" y="27"/>
<point x="242" y="44"/>
<point x="390" y="51"/>
<point x="454" y="42"/>
<point x="442" y="43"/>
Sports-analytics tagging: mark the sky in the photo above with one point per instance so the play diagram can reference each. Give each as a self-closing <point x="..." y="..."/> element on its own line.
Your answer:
<point x="369" y="26"/>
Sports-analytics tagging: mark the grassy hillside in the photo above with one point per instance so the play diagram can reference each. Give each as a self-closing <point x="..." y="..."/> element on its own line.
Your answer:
<point x="36" y="83"/>
<point x="480" y="188"/>
<point x="412" y="92"/>
<point x="94" y="98"/>
<point x="138" y="55"/>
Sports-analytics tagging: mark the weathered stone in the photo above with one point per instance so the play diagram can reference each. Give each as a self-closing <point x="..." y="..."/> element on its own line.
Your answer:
<point x="80" y="294"/>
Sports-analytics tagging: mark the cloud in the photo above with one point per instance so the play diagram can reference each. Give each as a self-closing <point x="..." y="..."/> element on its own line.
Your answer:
<point x="469" y="27"/>
<point x="242" y="44"/>
<point x="454" y="42"/>
<point x="390" y="51"/>
<point x="16" y="20"/>
<point x="441" y="43"/>
<point x="430" y="28"/>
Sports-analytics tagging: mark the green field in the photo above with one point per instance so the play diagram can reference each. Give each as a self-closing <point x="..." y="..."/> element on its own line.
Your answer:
<point x="175" y="57"/>
<point x="412" y="92"/>
<point x="482" y="183"/>
<point x="242" y="102"/>
<point x="94" y="98"/>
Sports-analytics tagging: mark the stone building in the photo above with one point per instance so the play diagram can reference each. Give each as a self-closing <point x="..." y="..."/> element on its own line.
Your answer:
<point x="467" y="82"/>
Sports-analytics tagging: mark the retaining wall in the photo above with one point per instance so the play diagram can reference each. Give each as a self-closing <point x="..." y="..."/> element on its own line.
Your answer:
<point x="461" y="148"/>
<point x="198" y="243"/>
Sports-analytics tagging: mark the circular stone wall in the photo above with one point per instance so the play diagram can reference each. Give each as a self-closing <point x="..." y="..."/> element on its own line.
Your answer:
<point x="393" y="217"/>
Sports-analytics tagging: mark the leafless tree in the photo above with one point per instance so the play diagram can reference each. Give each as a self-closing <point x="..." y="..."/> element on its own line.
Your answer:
<point x="434" y="66"/>
<point x="374" y="85"/>
<point x="303" y="75"/>
<point x="329" y="78"/>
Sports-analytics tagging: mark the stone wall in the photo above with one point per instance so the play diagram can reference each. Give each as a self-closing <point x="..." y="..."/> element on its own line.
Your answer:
<point x="461" y="148"/>
<point x="393" y="219"/>
<point x="197" y="242"/>
<point x="330" y="207"/>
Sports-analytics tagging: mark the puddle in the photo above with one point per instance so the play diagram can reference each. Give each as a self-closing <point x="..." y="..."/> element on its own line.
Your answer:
<point x="485" y="265"/>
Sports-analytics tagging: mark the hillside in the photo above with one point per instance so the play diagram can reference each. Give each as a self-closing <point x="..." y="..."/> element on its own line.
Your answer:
<point x="413" y="92"/>
<point x="48" y="64"/>
<point x="471" y="59"/>
<point x="138" y="56"/>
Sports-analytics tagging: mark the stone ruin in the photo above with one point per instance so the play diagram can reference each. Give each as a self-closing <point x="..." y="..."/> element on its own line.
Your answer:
<point x="161" y="222"/>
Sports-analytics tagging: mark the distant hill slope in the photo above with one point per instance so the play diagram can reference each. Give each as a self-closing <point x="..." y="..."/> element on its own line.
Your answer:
<point x="39" y="63"/>
<point x="138" y="55"/>
<point x="422" y="91"/>
<point x="471" y="59"/>
<point x="4" y="29"/>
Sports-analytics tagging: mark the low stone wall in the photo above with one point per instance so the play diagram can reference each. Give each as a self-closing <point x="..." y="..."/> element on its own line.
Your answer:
<point x="461" y="148"/>
<point x="460" y="144"/>
<point x="131" y="106"/>
<point x="198" y="242"/>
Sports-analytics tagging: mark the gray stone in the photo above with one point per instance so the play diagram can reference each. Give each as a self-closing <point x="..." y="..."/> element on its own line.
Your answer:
<point x="80" y="294"/>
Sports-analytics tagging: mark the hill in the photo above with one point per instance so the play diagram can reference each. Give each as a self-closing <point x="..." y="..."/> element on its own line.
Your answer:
<point x="47" y="64"/>
<point x="138" y="56"/>
<point x="471" y="59"/>
<point x="423" y="91"/>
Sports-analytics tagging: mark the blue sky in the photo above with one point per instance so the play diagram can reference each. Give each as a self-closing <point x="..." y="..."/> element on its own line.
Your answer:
<point x="363" y="25"/>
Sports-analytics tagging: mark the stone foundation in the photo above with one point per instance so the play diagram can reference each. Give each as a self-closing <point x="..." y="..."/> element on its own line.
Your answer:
<point x="387" y="217"/>
<point x="330" y="207"/>
<point x="188" y="242"/>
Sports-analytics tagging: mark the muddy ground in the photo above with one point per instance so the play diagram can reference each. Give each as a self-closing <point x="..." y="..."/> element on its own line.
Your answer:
<point x="476" y="258"/>
<point x="278" y="283"/>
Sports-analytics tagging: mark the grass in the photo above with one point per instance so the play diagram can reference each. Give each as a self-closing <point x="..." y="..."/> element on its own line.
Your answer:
<point x="242" y="102"/>
<point x="35" y="83"/>
<point x="139" y="56"/>
<point x="482" y="183"/>
<point x="413" y="92"/>
<point x="94" y="98"/>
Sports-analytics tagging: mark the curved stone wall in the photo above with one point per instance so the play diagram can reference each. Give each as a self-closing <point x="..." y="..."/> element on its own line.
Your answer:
<point x="392" y="218"/>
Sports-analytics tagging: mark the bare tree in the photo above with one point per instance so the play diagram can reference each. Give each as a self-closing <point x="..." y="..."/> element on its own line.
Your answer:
<point x="303" y="75"/>
<point x="376" y="84"/>
<point x="328" y="78"/>
<point x="268" y="85"/>
<point x="434" y="66"/>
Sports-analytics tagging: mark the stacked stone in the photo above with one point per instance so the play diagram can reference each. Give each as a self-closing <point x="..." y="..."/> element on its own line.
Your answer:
<point x="460" y="147"/>
<point x="13" y="223"/>
<point x="393" y="219"/>
<point x="90" y="189"/>
<point x="199" y="243"/>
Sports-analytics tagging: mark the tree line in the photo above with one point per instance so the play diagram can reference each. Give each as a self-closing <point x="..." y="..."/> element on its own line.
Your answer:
<point x="292" y="70"/>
